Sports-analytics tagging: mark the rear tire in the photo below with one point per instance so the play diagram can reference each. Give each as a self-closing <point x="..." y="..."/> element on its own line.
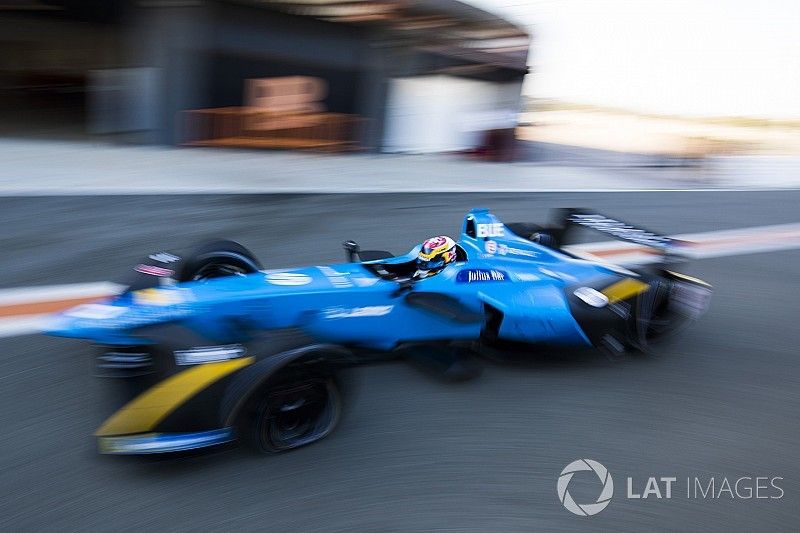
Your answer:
<point x="219" y="259"/>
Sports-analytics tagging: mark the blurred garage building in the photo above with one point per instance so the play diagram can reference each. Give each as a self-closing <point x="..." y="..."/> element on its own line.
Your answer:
<point x="392" y="75"/>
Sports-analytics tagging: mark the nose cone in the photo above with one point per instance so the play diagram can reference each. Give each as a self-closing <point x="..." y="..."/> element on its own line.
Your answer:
<point x="57" y="326"/>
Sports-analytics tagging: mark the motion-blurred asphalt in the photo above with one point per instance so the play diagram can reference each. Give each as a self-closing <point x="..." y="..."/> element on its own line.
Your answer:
<point x="413" y="454"/>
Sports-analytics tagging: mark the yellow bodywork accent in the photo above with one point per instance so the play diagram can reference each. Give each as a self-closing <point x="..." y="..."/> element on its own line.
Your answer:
<point x="624" y="289"/>
<point x="145" y="411"/>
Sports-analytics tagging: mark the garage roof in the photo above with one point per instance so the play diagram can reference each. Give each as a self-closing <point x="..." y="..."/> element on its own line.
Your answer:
<point x="446" y="27"/>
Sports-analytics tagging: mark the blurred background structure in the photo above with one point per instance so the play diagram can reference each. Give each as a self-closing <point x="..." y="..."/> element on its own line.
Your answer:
<point x="419" y="76"/>
<point x="545" y="81"/>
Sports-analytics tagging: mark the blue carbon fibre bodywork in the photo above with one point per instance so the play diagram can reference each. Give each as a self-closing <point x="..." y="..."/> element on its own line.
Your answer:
<point x="349" y="304"/>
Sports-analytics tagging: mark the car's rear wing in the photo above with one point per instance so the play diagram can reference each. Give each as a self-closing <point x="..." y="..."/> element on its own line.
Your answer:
<point x="658" y="247"/>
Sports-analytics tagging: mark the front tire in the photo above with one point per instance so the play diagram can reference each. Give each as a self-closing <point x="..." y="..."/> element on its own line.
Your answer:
<point x="295" y="412"/>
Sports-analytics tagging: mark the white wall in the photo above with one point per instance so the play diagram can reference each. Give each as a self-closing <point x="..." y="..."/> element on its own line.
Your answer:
<point x="427" y="114"/>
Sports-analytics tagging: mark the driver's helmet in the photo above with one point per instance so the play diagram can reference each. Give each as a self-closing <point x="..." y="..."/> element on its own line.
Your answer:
<point x="435" y="254"/>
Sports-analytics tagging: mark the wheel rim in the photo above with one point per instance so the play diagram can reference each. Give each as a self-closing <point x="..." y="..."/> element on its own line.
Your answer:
<point x="218" y="270"/>
<point x="657" y="320"/>
<point x="298" y="415"/>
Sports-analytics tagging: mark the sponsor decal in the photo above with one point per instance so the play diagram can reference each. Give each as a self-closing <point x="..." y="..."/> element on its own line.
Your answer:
<point x="358" y="312"/>
<point x="337" y="279"/>
<point x="96" y="311"/>
<point x="620" y="230"/>
<point x="164" y="257"/>
<point x="209" y="354"/>
<point x="153" y="270"/>
<point x="159" y="296"/>
<point x="288" y="278"/>
<point x="494" y="229"/>
<point x="480" y="274"/>
<point x="365" y="282"/>
<point x="493" y="247"/>
<point x="510" y="250"/>
<point x="527" y="276"/>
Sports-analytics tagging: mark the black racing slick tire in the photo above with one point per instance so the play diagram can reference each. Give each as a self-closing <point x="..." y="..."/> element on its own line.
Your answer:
<point x="218" y="259"/>
<point x="293" y="411"/>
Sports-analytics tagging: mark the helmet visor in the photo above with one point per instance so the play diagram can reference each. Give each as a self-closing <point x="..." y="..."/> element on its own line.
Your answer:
<point x="432" y="264"/>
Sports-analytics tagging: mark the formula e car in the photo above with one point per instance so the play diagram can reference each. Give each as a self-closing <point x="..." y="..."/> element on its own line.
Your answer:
<point x="209" y="347"/>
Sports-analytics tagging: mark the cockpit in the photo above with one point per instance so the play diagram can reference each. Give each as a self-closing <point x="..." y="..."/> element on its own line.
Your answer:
<point x="386" y="266"/>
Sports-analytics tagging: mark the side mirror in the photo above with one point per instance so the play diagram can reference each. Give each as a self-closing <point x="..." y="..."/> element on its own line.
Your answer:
<point x="351" y="251"/>
<point x="355" y="254"/>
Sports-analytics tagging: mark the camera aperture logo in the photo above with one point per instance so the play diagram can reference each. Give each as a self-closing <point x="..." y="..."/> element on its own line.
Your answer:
<point x="702" y="487"/>
<point x="585" y="509"/>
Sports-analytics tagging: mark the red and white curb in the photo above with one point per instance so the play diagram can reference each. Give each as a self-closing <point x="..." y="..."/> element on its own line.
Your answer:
<point x="24" y="310"/>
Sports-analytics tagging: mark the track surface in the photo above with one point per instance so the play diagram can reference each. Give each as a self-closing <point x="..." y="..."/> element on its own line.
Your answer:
<point x="413" y="454"/>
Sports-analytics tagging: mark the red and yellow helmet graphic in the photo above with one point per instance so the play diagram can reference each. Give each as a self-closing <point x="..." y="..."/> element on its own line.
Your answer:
<point x="436" y="253"/>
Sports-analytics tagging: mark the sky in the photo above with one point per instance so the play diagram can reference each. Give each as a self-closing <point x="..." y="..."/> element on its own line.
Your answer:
<point x="692" y="57"/>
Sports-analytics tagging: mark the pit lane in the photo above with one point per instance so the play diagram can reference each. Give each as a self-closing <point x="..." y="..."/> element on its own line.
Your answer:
<point x="413" y="454"/>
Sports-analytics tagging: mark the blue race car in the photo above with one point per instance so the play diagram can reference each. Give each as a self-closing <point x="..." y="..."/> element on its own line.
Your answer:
<point x="206" y="348"/>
